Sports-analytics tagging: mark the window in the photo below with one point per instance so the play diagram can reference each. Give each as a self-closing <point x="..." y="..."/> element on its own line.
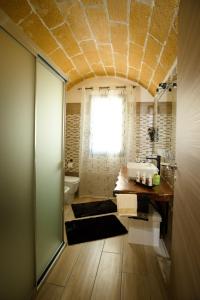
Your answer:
<point x="106" y="124"/>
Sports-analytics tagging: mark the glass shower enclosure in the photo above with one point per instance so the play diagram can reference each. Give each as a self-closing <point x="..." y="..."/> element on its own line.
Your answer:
<point x="48" y="166"/>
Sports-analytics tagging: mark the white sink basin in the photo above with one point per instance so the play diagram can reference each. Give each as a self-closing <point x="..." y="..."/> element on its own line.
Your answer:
<point x="148" y="168"/>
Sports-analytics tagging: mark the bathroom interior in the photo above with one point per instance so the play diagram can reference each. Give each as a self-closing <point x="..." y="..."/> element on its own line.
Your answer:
<point x="91" y="92"/>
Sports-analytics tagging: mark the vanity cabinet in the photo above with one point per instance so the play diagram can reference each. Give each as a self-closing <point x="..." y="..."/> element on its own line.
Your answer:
<point x="160" y="196"/>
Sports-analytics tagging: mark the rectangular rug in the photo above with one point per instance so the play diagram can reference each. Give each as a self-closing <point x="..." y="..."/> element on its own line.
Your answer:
<point x="91" y="229"/>
<point x="94" y="208"/>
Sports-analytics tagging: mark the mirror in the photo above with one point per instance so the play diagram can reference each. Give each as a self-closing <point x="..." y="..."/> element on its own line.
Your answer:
<point x="165" y="126"/>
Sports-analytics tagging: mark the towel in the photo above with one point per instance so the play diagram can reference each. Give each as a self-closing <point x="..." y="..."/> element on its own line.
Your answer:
<point x="132" y="206"/>
<point x="127" y="204"/>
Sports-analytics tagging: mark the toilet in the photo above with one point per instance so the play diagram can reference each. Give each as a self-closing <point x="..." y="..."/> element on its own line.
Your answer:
<point x="70" y="188"/>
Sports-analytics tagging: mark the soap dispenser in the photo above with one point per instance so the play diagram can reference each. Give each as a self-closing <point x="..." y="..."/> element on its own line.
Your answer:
<point x="156" y="179"/>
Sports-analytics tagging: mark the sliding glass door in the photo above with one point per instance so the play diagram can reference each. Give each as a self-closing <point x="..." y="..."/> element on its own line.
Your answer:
<point x="17" y="86"/>
<point x="31" y="168"/>
<point x="49" y="165"/>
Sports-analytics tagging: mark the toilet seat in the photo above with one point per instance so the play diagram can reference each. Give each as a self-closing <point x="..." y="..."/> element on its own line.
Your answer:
<point x="66" y="189"/>
<point x="70" y="187"/>
<point x="72" y="179"/>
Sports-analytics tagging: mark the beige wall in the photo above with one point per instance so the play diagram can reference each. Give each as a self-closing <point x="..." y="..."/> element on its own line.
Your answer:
<point x="144" y="119"/>
<point x="74" y="94"/>
<point x="73" y="110"/>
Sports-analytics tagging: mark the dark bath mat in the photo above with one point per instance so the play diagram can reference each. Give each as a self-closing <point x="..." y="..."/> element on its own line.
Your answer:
<point x="94" y="208"/>
<point x="91" y="229"/>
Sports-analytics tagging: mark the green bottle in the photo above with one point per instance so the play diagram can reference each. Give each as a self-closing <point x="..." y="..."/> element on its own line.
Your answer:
<point x="156" y="179"/>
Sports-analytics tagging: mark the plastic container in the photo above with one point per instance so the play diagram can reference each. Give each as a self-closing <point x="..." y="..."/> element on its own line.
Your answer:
<point x="150" y="182"/>
<point x="143" y="178"/>
<point x="148" y="168"/>
<point x="138" y="177"/>
<point x="156" y="179"/>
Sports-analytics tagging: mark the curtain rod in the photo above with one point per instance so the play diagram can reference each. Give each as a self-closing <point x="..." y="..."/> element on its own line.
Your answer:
<point x="107" y="87"/>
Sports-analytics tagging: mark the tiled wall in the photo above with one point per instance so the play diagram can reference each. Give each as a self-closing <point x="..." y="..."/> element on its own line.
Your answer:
<point x="174" y="123"/>
<point x="164" y="132"/>
<point x="144" y="146"/>
<point x="72" y="136"/>
<point x="144" y="120"/>
<point x="167" y="172"/>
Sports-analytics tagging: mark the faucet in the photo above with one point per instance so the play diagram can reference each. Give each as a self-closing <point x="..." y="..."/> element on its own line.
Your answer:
<point x="158" y="159"/>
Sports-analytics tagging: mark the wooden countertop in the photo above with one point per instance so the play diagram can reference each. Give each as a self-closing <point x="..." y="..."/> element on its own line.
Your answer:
<point x="162" y="192"/>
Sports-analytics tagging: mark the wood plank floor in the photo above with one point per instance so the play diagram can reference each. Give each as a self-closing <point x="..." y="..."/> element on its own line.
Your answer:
<point x="110" y="269"/>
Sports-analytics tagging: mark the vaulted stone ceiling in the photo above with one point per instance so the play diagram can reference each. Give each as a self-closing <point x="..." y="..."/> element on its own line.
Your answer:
<point x="134" y="39"/>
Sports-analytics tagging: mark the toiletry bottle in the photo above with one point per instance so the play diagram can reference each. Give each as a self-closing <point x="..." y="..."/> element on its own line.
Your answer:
<point x="156" y="179"/>
<point x="138" y="177"/>
<point x="143" y="178"/>
<point x="150" y="180"/>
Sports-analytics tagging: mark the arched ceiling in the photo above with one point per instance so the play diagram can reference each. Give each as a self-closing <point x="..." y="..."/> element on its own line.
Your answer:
<point x="134" y="39"/>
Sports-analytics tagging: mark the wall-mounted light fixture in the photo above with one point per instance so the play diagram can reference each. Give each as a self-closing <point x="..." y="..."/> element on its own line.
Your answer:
<point x="166" y="86"/>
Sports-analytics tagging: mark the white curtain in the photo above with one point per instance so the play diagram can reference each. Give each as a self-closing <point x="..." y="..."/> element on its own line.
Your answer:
<point x="103" y="151"/>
